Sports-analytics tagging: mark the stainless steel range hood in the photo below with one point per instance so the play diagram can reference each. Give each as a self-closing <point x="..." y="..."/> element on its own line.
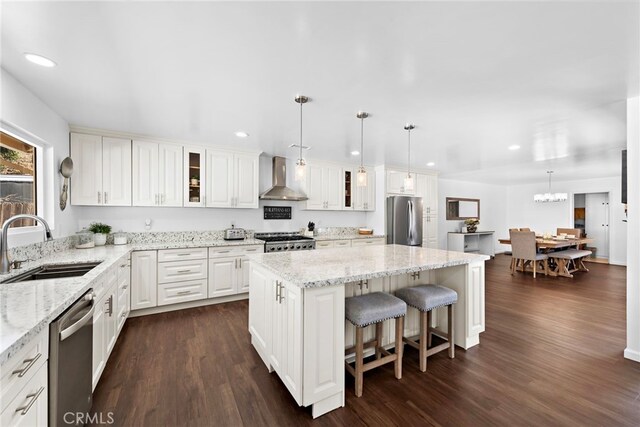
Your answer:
<point x="279" y="190"/>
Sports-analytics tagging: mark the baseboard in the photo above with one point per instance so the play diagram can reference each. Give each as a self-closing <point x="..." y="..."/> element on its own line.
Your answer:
<point x="632" y="354"/>
<point x="190" y="304"/>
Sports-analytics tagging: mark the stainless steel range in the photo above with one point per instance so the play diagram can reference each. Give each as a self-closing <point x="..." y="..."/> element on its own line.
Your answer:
<point x="289" y="241"/>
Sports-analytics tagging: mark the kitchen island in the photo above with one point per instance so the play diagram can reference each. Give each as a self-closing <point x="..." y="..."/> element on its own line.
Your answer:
<point x="296" y="308"/>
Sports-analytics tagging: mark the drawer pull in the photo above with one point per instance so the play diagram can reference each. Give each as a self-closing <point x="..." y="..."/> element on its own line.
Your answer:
<point x="184" y="292"/>
<point x="34" y="397"/>
<point x="184" y="271"/>
<point x="222" y="252"/>
<point x="125" y="287"/>
<point x="251" y="250"/>
<point x="23" y="371"/>
<point x="183" y="254"/>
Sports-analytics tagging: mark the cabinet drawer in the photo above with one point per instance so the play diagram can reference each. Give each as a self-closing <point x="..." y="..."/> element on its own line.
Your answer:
<point x="179" y="271"/>
<point x="29" y="406"/>
<point x="123" y="309"/>
<point x="365" y="242"/>
<point x="342" y="243"/>
<point x="17" y="371"/>
<point x="172" y="293"/>
<point x="225" y="251"/>
<point x="166" y="255"/>
<point x="325" y="244"/>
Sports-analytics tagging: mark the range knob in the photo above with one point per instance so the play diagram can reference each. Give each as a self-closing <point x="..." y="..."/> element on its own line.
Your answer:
<point x="279" y="248"/>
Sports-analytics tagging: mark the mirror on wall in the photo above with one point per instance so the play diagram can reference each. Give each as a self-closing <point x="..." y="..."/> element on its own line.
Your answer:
<point x="459" y="208"/>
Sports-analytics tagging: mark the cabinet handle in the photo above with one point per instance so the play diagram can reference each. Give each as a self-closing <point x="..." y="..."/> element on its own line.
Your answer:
<point x="110" y="305"/>
<point x="239" y="262"/>
<point x="31" y="362"/>
<point x="105" y="198"/>
<point x="162" y="198"/>
<point x="156" y="198"/>
<point x="184" y="292"/>
<point x="183" y="254"/>
<point x="99" y="198"/>
<point x="222" y="252"/>
<point x="277" y="290"/>
<point x="184" y="271"/>
<point x="34" y="397"/>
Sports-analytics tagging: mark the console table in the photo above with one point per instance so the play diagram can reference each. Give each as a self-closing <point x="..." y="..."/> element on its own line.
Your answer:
<point x="480" y="242"/>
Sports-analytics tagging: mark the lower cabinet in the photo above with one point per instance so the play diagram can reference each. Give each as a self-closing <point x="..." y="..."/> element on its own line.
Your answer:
<point x="173" y="293"/>
<point x="144" y="279"/>
<point x="105" y="325"/>
<point x="30" y="406"/>
<point x="223" y="276"/>
<point x="325" y="244"/>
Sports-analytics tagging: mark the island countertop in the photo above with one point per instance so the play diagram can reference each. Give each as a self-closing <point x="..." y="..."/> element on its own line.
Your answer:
<point x="329" y="267"/>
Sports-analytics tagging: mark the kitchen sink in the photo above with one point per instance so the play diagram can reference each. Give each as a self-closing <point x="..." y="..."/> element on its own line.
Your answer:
<point x="54" y="271"/>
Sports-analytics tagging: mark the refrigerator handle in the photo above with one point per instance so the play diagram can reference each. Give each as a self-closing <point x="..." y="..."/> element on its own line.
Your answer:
<point x="410" y="215"/>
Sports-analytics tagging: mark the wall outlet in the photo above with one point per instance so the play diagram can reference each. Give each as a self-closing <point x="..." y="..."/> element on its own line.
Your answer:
<point x="147" y="224"/>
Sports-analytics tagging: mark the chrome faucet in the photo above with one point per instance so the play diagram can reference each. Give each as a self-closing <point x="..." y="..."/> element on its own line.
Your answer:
<point x="5" y="265"/>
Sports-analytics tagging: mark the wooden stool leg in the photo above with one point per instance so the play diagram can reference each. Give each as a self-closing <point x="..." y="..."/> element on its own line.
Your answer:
<point x="429" y="331"/>
<point x="535" y="263"/>
<point x="359" y="361"/>
<point x="450" y="331"/>
<point x="378" y="339"/>
<point x="424" y="332"/>
<point x="399" y="346"/>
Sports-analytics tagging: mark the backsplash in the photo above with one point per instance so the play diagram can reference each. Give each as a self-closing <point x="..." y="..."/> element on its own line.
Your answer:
<point x="337" y="231"/>
<point x="42" y="249"/>
<point x="175" y="236"/>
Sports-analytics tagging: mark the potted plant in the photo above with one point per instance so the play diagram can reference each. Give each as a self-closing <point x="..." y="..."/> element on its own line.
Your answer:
<point x="100" y="232"/>
<point x="472" y="224"/>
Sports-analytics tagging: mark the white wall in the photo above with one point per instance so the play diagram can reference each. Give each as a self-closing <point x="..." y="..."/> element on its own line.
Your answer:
<point x="493" y="213"/>
<point x="522" y="211"/>
<point x="181" y="219"/>
<point x="25" y="115"/>
<point x="633" y="245"/>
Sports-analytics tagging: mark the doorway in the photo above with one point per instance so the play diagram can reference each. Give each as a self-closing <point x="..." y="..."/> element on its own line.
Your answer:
<point x="591" y="215"/>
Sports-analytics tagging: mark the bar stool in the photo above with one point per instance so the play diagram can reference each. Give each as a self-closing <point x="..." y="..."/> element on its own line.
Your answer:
<point x="369" y="309"/>
<point x="425" y="298"/>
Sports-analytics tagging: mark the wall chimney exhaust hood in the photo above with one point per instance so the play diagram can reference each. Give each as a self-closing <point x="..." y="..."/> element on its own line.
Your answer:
<point x="279" y="190"/>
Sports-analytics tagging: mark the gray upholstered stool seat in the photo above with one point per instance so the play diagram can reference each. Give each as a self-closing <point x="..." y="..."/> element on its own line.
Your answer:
<point x="428" y="297"/>
<point x="368" y="309"/>
<point x="372" y="308"/>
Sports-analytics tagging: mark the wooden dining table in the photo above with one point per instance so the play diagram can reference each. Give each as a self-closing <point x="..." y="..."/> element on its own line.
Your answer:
<point x="548" y="245"/>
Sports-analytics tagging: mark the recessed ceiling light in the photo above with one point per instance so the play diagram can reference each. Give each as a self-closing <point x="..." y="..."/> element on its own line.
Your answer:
<point x="241" y="134"/>
<point x="40" y="60"/>
<point x="355" y="153"/>
<point x="514" y="147"/>
<point x="431" y="164"/>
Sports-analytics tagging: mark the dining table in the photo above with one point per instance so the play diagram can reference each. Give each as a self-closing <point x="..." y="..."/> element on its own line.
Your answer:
<point x="549" y="245"/>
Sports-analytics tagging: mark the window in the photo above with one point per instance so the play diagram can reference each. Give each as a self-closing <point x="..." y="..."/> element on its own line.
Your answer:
<point x="17" y="179"/>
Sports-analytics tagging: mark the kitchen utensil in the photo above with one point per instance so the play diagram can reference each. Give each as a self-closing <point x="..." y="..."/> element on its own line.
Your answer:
<point x="66" y="169"/>
<point x="365" y="231"/>
<point x="234" y="234"/>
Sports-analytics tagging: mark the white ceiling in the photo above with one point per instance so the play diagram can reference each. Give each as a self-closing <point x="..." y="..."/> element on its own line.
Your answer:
<point x="474" y="77"/>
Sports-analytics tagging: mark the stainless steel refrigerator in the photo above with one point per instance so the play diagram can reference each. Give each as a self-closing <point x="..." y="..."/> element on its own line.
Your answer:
<point x="404" y="220"/>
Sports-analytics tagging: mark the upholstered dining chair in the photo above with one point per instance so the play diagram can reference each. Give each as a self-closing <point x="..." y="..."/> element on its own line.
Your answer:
<point x="523" y="249"/>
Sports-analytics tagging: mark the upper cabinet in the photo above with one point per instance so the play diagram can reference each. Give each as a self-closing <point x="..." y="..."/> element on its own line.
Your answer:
<point x="194" y="180"/>
<point x="157" y="174"/>
<point x="231" y="179"/>
<point x="427" y="188"/>
<point x="102" y="170"/>
<point x="395" y="183"/>
<point x="365" y="197"/>
<point x="324" y="187"/>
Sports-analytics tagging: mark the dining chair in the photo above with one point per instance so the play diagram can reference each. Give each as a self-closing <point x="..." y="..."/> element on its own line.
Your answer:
<point x="523" y="248"/>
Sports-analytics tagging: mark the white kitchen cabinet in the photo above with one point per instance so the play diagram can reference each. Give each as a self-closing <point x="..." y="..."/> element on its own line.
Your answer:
<point x="365" y="197"/>
<point x="231" y="180"/>
<point x="173" y="293"/>
<point x="223" y="276"/>
<point x="430" y="232"/>
<point x="395" y="182"/>
<point x="99" y="351"/>
<point x="427" y="188"/>
<point x="260" y="311"/>
<point x="105" y="322"/>
<point x="327" y="244"/>
<point x="181" y="271"/>
<point x="30" y="406"/>
<point x="194" y="181"/>
<point x="373" y="241"/>
<point x="286" y="354"/>
<point x="111" y="317"/>
<point x="324" y="187"/>
<point x="102" y="170"/>
<point x="157" y="174"/>
<point x="348" y="189"/>
<point x="144" y="279"/>
<point x="124" y="292"/>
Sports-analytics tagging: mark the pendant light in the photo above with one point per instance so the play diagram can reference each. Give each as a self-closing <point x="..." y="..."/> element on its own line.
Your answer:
<point x="361" y="176"/>
<point x="301" y="164"/>
<point x="408" y="181"/>
<point x="549" y="196"/>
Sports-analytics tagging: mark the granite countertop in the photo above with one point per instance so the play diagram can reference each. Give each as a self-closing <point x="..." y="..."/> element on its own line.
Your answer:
<point x="348" y="237"/>
<point x="337" y="266"/>
<point x="26" y="308"/>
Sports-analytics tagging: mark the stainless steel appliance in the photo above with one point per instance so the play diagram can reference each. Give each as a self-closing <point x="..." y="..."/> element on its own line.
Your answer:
<point x="404" y="220"/>
<point x="279" y="189"/>
<point x="234" y="234"/>
<point x="70" y="361"/>
<point x="289" y="241"/>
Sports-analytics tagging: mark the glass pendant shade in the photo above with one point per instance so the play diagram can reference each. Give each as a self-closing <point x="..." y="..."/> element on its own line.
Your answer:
<point x="361" y="177"/>
<point x="408" y="183"/>
<point x="300" y="169"/>
<point x="549" y="196"/>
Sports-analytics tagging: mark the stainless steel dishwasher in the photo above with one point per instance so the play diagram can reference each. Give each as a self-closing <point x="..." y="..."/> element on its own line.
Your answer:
<point x="70" y="362"/>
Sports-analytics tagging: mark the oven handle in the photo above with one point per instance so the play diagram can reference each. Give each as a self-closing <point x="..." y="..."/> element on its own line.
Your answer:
<point x="66" y="333"/>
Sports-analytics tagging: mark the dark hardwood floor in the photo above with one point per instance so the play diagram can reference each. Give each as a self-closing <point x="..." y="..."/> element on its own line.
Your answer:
<point x="551" y="355"/>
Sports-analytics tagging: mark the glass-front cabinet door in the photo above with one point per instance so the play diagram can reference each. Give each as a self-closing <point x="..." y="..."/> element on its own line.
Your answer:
<point x="194" y="164"/>
<point x="348" y="189"/>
